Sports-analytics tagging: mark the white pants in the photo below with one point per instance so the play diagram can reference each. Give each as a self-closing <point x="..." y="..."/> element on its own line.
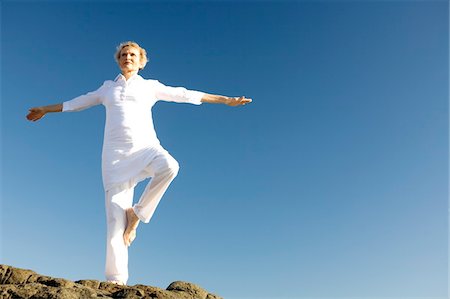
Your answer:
<point x="163" y="169"/>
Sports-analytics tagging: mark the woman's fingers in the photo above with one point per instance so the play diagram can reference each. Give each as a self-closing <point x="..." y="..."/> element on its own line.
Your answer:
<point x="244" y="100"/>
<point x="236" y="101"/>
<point x="34" y="114"/>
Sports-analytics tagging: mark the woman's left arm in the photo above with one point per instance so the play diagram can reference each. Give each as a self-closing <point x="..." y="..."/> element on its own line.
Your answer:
<point x="230" y="101"/>
<point x="183" y="95"/>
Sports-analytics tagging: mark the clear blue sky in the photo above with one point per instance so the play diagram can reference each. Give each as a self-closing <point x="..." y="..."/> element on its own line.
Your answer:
<point x="333" y="183"/>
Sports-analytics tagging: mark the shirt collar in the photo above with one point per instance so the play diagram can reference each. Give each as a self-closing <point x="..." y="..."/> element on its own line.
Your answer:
<point x="121" y="77"/>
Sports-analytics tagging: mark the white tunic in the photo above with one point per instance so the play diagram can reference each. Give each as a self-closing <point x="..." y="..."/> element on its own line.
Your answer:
<point x="130" y="141"/>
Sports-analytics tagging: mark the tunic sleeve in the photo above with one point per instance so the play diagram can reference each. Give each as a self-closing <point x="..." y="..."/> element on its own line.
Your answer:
<point x="177" y="94"/>
<point x="84" y="101"/>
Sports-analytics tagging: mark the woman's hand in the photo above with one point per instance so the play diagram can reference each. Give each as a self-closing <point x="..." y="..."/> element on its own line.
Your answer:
<point x="230" y="101"/>
<point x="36" y="113"/>
<point x="238" y="101"/>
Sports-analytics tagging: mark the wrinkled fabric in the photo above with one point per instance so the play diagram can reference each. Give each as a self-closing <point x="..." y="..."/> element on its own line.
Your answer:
<point x="163" y="169"/>
<point x="130" y="142"/>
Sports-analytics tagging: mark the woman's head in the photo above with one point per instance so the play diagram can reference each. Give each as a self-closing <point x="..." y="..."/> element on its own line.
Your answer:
<point x="130" y="55"/>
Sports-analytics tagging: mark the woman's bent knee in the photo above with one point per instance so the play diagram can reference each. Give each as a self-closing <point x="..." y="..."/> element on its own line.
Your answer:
<point x="166" y="165"/>
<point x="173" y="168"/>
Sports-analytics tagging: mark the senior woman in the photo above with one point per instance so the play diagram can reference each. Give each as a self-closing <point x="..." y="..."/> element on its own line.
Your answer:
<point x="131" y="150"/>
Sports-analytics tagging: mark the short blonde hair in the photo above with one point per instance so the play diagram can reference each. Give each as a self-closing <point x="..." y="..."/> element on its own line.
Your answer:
<point x="142" y="52"/>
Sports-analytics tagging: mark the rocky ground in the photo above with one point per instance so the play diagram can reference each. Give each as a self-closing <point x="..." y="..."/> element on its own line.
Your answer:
<point x="21" y="283"/>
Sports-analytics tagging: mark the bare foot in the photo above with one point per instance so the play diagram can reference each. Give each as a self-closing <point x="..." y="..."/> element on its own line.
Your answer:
<point x="132" y="223"/>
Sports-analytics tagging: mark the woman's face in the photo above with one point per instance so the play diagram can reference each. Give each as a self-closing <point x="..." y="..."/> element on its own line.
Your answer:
<point x="129" y="59"/>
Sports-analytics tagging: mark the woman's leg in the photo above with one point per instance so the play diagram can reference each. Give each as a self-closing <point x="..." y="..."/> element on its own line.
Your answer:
<point x="117" y="200"/>
<point x="164" y="168"/>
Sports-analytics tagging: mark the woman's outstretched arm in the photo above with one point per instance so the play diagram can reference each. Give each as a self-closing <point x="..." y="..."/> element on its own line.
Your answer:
<point x="37" y="113"/>
<point x="77" y="104"/>
<point x="230" y="101"/>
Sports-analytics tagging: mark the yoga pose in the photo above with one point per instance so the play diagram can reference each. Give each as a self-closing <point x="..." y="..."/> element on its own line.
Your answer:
<point x="131" y="150"/>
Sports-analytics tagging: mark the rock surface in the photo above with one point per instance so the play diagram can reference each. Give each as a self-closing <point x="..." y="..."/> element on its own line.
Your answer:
<point x="21" y="283"/>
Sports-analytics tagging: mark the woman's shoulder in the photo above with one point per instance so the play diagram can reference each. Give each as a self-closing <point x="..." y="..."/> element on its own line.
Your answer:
<point x="151" y="81"/>
<point x="107" y="83"/>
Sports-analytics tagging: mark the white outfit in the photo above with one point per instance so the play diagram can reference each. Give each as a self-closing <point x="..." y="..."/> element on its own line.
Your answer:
<point x="131" y="153"/>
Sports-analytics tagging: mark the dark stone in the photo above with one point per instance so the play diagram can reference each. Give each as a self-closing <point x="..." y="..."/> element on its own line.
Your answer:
<point x="193" y="290"/>
<point x="93" y="284"/>
<point x="18" y="283"/>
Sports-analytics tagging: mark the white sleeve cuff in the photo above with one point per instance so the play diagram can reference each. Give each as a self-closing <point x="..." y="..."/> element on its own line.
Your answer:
<point x="196" y="97"/>
<point x="66" y="107"/>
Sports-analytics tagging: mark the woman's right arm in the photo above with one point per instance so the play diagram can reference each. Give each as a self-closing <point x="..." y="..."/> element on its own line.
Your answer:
<point x="77" y="104"/>
<point x="37" y="113"/>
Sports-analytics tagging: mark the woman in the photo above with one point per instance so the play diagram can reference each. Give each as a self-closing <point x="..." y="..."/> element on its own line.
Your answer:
<point x="131" y="149"/>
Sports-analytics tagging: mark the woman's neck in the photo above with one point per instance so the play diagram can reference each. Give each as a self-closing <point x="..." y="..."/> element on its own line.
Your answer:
<point x="129" y="74"/>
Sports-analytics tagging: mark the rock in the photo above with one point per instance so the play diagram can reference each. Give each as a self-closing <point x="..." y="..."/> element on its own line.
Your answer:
<point x="93" y="284"/>
<point x="26" y="284"/>
<point x="193" y="290"/>
<point x="16" y="276"/>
